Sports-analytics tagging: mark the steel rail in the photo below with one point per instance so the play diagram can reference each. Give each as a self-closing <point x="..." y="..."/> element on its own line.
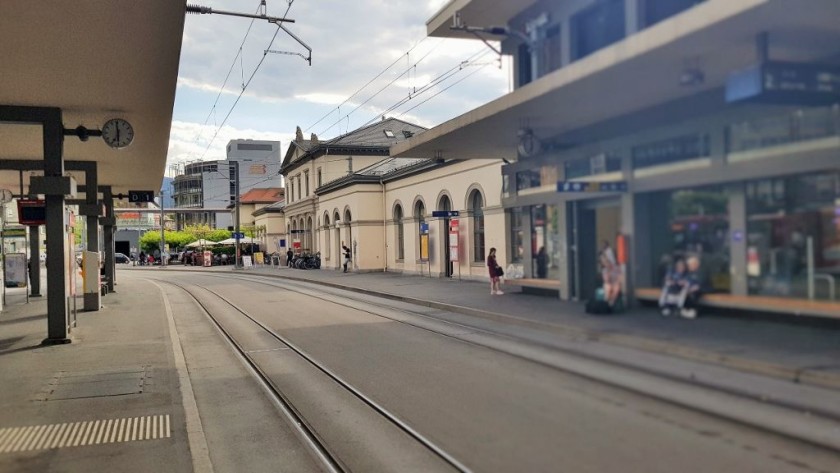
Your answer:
<point x="399" y="423"/>
<point x="304" y="431"/>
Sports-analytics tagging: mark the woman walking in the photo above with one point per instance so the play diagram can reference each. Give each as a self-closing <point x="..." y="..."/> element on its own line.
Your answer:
<point x="495" y="273"/>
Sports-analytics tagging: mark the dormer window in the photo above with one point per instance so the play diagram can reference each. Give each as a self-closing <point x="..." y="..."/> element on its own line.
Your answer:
<point x="389" y="133"/>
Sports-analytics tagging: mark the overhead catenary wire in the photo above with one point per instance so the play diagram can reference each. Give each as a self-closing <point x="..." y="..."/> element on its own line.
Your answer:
<point x="446" y="88"/>
<point x="246" y="84"/>
<point x="383" y="71"/>
<point x="389" y="84"/>
<point x="441" y="78"/>
<point x="212" y="111"/>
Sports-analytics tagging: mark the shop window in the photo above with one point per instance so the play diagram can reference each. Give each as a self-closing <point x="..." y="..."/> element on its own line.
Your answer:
<point x="793" y="236"/>
<point x="527" y="179"/>
<point x="692" y="222"/>
<point x="672" y="150"/>
<point x="545" y="241"/>
<point x="476" y="205"/>
<point x="398" y="222"/>
<point x="593" y="165"/>
<point x="769" y="131"/>
<point x="597" y="27"/>
<point x="516" y="239"/>
<point x="655" y="11"/>
<point x="524" y="65"/>
<point x="550" y="58"/>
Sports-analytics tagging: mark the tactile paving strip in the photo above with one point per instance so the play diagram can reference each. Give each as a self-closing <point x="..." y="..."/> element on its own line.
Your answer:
<point x="77" y="434"/>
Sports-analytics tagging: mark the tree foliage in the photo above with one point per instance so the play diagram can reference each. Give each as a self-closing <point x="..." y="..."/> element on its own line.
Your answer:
<point x="150" y="241"/>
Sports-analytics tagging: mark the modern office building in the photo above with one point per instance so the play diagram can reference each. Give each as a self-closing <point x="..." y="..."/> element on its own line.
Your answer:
<point x="686" y="127"/>
<point x="211" y="185"/>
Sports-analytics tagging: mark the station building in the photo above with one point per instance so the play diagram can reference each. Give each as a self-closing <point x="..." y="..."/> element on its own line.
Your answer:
<point x="708" y="128"/>
<point x="382" y="207"/>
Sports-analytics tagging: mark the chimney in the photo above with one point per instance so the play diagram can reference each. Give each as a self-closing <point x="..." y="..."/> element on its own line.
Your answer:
<point x="298" y="134"/>
<point x="314" y="139"/>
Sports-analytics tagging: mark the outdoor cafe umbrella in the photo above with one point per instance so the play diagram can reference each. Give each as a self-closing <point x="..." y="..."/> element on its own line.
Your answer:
<point x="232" y="241"/>
<point x="201" y="243"/>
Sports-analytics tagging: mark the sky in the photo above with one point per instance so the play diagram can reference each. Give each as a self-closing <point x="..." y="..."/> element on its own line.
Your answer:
<point x="352" y="42"/>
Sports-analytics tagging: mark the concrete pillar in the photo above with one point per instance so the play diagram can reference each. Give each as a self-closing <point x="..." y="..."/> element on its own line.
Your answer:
<point x="57" y="290"/>
<point x="628" y="229"/>
<point x="566" y="43"/>
<point x="738" y="238"/>
<point x="527" y="243"/>
<point x="563" y="263"/>
<point x="35" y="261"/>
<point x="632" y="15"/>
<point x="109" y="223"/>
<point x="93" y="300"/>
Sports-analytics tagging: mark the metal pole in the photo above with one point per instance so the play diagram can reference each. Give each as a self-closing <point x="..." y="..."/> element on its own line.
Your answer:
<point x="809" y="249"/>
<point x="162" y="233"/>
<point x="238" y="264"/>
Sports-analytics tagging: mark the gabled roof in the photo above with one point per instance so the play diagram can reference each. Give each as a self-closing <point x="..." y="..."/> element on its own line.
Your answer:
<point x="267" y="195"/>
<point x="275" y="208"/>
<point x="375" y="133"/>
<point x="387" y="170"/>
<point x="373" y="139"/>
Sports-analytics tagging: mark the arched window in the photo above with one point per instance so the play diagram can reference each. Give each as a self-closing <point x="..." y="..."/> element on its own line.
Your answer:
<point x="398" y="222"/>
<point x="420" y="216"/>
<point x="476" y="205"/>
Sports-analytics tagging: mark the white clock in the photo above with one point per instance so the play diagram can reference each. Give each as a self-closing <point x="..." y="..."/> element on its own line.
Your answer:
<point x="117" y="133"/>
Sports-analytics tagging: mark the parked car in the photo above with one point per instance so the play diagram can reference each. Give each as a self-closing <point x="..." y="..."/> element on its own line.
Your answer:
<point x="121" y="258"/>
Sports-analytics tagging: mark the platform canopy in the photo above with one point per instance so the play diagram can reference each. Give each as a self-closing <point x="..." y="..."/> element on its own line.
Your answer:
<point x="95" y="60"/>
<point x="639" y="73"/>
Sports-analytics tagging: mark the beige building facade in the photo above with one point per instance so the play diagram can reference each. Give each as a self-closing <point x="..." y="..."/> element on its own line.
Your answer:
<point x="381" y="208"/>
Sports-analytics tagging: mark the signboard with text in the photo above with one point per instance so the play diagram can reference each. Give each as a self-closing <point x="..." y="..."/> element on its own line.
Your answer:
<point x="453" y="239"/>
<point x="582" y="186"/>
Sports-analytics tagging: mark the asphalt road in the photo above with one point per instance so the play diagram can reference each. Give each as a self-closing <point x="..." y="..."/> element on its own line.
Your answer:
<point x="490" y="410"/>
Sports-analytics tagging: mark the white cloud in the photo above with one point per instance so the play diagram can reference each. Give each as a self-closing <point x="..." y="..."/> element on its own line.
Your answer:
<point x="189" y="141"/>
<point x="352" y="42"/>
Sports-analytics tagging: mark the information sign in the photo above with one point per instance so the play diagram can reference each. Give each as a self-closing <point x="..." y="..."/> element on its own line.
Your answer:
<point x="139" y="197"/>
<point x="208" y="258"/>
<point x="424" y="246"/>
<point x="453" y="239"/>
<point x="16" y="270"/>
<point x="246" y="262"/>
<point x="239" y="235"/>
<point x="444" y="213"/>
<point x="582" y="186"/>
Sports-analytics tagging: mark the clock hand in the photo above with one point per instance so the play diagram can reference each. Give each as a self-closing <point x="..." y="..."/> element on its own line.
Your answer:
<point x="118" y="133"/>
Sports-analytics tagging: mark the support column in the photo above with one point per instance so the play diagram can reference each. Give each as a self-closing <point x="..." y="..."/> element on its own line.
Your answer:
<point x="91" y="211"/>
<point x="108" y="225"/>
<point x="34" y="261"/>
<point x="57" y="291"/>
<point x="632" y="17"/>
<point x="738" y="239"/>
<point x="93" y="300"/>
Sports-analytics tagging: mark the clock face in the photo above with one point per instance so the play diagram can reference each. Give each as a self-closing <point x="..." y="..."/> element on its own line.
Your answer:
<point x="117" y="133"/>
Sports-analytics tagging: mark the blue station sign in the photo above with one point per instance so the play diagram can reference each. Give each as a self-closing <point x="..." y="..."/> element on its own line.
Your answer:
<point x="444" y="213"/>
<point x="582" y="186"/>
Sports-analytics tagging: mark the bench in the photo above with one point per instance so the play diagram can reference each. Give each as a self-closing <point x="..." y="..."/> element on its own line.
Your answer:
<point x="536" y="286"/>
<point x="776" y="305"/>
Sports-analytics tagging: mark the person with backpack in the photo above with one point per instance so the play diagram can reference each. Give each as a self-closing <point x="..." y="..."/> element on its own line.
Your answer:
<point x="347" y="254"/>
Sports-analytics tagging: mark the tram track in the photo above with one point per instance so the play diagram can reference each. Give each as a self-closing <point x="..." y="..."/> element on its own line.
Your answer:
<point x="709" y="399"/>
<point x="310" y="435"/>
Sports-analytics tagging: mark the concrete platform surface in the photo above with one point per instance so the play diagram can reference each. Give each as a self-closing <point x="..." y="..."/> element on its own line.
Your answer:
<point x="128" y="394"/>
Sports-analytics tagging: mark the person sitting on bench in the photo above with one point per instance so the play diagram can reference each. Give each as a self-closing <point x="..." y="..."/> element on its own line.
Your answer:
<point x="674" y="290"/>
